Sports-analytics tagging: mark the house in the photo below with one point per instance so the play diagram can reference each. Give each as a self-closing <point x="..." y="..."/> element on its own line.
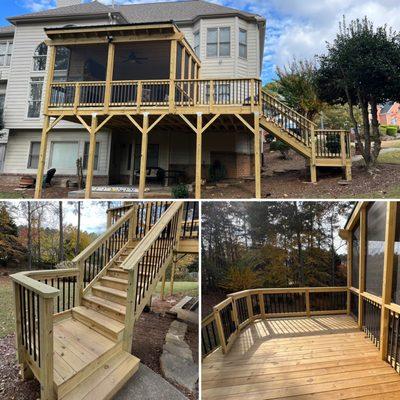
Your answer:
<point x="389" y="114"/>
<point x="132" y="88"/>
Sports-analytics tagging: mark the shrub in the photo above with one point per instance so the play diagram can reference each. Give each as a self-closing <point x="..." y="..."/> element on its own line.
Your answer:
<point x="391" y="130"/>
<point x="180" y="191"/>
<point x="217" y="171"/>
<point x="277" y="145"/>
<point x="333" y="143"/>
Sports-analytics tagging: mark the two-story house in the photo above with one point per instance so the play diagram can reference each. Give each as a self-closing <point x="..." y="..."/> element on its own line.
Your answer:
<point x="229" y="44"/>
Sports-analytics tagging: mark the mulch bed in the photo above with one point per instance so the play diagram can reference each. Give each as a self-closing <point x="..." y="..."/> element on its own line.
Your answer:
<point x="148" y="340"/>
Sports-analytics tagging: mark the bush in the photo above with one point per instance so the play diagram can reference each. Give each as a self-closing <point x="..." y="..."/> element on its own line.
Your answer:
<point x="180" y="191"/>
<point x="217" y="171"/>
<point x="333" y="143"/>
<point x="277" y="145"/>
<point x="391" y="130"/>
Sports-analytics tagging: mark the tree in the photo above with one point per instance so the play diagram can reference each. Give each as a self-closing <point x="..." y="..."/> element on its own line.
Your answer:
<point x="297" y="87"/>
<point x="337" y="117"/>
<point x="61" y="232"/>
<point x="362" y="68"/>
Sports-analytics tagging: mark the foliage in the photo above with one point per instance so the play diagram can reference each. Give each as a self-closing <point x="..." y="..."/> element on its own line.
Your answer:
<point x="11" y="248"/>
<point x="239" y="279"/>
<point x="296" y="85"/>
<point x="337" y="117"/>
<point x="333" y="143"/>
<point x="217" y="171"/>
<point x="390" y="130"/>
<point x="180" y="191"/>
<point x="361" y="68"/>
<point x="282" y="147"/>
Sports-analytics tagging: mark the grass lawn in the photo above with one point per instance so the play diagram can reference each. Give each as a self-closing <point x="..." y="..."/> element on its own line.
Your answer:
<point x="11" y="195"/>
<point x="6" y="307"/>
<point x="185" y="288"/>
<point x="389" y="158"/>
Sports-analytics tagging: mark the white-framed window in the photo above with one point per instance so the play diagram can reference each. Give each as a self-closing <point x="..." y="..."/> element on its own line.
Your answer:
<point x="40" y="57"/>
<point x="219" y="42"/>
<point x="63" y="155"/>
<point x="33" y="157"/>
<point x="6" y="48"/>
<point x="242" y="43"/>
<point x="393" y="121"/>
<point x="86" y="155"/>
<point x="35" y="97"/>
<point x="196" y="43"/>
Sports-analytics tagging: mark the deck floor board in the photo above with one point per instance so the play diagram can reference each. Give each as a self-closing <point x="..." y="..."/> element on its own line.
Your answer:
<point x="323" y="357"/>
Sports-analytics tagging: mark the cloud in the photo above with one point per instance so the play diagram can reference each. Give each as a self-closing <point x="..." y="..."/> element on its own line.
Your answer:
<point x="38" y="5"/>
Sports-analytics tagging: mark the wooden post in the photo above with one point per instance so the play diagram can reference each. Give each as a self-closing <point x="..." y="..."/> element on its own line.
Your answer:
<point x="163" y="286"/>
<point x="51" y="55"/>
<point x="198" y="155"/>
<point x="80" y="284"/>
<point x="130" y="310"/>
<point x="363" y="236"/>
<point x="211" y="102"/>
<point x="172" y="75"/>
<point x="132" y="224"/>
<point x="388" y="263"/>
<point x="77" y="97"/>
<point x="46" y="348"/>
<point x="143" y="155"/>
<point x="174" y="262"/>
<point x="92" y="150"/>
<point x="257" y="155"/>
<point x="42" y="157"/>
<point x="108" y="218"/>
<point x="308" y="308"/>
<point x="252" y="94"/>
<point x="349" y="269"/>
<point x="262" y="304"/>
<point x="235" y="313"/>
<point x="313" y="159"/>
<point x="220" y="331"/>
<point x="109" y="76"/>
<point x="249" y="307"/>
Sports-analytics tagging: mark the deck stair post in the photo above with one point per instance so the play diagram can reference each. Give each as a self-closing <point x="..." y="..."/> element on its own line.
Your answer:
<point x="220" y="330"/>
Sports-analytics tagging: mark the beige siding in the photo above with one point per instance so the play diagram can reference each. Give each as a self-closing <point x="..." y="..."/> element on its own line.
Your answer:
<point x="18" y="146"/>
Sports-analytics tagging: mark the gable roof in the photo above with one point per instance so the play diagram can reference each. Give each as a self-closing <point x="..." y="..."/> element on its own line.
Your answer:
<point x="7" y="30"/>
<point x="386" y="107"/>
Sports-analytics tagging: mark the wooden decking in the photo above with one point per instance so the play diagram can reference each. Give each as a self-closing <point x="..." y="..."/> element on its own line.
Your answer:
<point x="324" y="357"/>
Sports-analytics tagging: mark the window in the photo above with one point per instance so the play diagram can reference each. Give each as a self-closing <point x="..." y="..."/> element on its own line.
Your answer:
<point x="196" y="44"/>
<point x="218" y="42"/>
<point x="5" y="53"/>
<point x="356" y="257"/>
<point x="64" y="155"/>
<point x="35" y="97"/>
<point x="86" y="155"/>
<point x="2" y="99"/>
<point x="375" y="247"/>
<point x="152" y="155"/>
<point x="33" y="158"/>
<point x="242" y="43"/>
<point x="40" y="57"/>
<point x="393" y="121"/>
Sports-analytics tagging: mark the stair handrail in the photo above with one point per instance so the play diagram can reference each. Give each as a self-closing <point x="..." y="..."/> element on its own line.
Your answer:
<point x="169" y="225"/>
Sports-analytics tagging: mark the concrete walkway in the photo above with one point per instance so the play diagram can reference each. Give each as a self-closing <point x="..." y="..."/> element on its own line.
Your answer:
<point x="147" y="385"/>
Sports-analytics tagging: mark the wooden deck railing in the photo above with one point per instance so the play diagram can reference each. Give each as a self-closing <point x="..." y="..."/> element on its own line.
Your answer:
<point x="35" y="304"/>
<point x="155" y="93"/>
<point x="147" y="262"/>
<point x="332" y="143"/>
<point x="241" y="308"/>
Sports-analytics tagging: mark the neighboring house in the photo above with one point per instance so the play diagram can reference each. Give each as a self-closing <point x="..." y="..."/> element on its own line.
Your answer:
<point x="389" y="114"/>
<point x="228" y="42"/>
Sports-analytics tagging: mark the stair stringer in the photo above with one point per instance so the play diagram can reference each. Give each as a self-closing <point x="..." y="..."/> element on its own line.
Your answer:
<point x="282" y="135"/>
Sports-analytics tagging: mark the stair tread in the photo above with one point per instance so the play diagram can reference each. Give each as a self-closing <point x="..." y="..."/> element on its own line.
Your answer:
<point x="113" y="279"/>
<point x="100" y="318"/>
<point x="106" y="303"/>
<point x="117" y="269"/>
<point x="109" y="290"/>
<point x="106" y="381"/>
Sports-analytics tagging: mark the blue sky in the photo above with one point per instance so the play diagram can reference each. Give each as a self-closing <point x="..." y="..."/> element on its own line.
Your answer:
<point x="295" y="28"/>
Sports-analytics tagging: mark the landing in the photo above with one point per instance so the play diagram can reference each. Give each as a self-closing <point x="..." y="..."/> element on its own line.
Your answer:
<point x="323" y="357"/>
<point x="76" y="346"/>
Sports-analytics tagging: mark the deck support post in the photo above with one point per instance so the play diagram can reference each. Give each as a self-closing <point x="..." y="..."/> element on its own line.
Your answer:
<point x="257" y="155"/>
<point x="388" y="263"/>
<point x="363" y="234"/>
<point x="143" y="155"/>
<point x="92" y="150"/>
<point x="173" y="267"/>
<point x="42" y="157"/>
<point x="199" y="132"/>
<point x="313" y="166"/>
<point x="163" y="285"/>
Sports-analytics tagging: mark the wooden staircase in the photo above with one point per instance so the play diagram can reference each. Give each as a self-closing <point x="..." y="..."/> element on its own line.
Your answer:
<point x="75" y="326"/>
<point x="322" y="148"/>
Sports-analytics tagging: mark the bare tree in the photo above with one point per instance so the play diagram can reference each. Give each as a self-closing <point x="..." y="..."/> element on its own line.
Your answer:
<point x="61" y="242"/>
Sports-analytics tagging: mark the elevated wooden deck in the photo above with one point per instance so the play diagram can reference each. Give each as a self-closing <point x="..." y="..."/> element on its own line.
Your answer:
<point x="322" y="357"/>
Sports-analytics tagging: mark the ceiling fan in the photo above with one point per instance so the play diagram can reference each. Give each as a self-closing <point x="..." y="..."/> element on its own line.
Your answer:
<point x="132" y="58"/>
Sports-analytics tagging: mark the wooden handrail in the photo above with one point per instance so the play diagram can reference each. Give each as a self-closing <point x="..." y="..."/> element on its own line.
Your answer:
<point x="25" y="279"/>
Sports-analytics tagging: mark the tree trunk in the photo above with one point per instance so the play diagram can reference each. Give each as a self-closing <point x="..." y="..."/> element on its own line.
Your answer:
<point x="78" y="233"/>
<point x="367" y="132"/>
<point x="375" y="131"/>
<point x="61" y="243"/>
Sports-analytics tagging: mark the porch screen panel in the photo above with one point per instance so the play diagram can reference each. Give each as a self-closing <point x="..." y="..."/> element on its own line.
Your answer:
<point x="396" y="267"/>
<point x="375" y="247"/>
<point x="356" y="257"/>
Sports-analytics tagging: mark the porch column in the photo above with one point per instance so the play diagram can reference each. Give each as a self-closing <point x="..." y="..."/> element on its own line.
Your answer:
<point x="172" y="75"/>
<point x="109" y="76"/>
<point x="92" y="150"/>
<point x="257" y="155"/>
<point x="42" y="157"/>
<point x="199" y="130"/>
<point x="143" y="156"/>
<point x="313" y="167"/>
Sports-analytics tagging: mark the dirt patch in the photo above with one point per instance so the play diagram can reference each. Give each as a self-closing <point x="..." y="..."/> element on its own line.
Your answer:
<point x="11" y="385"/>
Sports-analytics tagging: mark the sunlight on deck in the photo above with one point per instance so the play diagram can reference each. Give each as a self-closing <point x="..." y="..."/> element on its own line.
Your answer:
<point x="324" y="357"/>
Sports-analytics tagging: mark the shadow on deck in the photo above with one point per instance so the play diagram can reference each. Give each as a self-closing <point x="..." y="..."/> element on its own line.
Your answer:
<point x="322" y="357"/>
